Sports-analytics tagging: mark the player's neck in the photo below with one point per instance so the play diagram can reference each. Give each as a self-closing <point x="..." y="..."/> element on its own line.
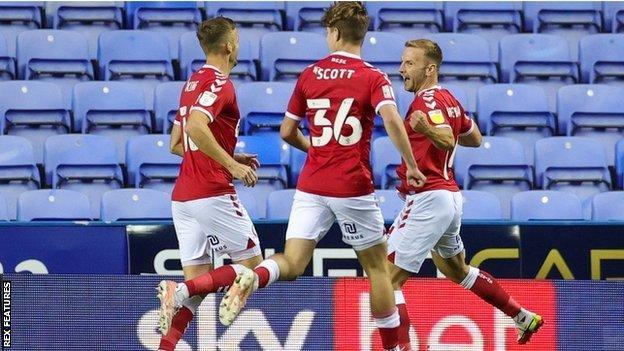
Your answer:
<point x="351" y="49"/>
<point x="427" y="84"/>
<point x="222" y="63"/>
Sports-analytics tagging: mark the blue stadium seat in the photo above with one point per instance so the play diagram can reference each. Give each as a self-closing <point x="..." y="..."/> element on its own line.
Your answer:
<point x="571" y="164"/>
<point x="569" y="19"/>
<point x="4" y="212"/>
<point x="247" y="197"/>
<point x="166" y="104"/>
<point x="88" y="18"/>
<point x="296" y="161"/>
<point x="273" y="157"/>
<point x="385" y="159"/>
<point x="58" y="56"/>
<point x="34" y="110"/>
<point x="7" y="62"/>
<point x="518" y="111"/>
<point x="412" y="18"/>
<point x="306" y="16"/>
<point x="263" y="104"/>
<point x="462" y="96"/>
<point x="55" y="204"/>
<point x="608" y="206"/>
<point x="489" y="19"/>
<point x="192" y="58"/>
<point x="150" y="163"/>
<point x="253" y="19"/>
<point x="135" y="204"/>
<point x="545" y="205"/>
<point x="16" y="17"/>
<point x="498" y="167"/>
<point x="18" y="172"/>
<point x="613" y="16"/>
<point x="85" y="163"/>
<point x="594" y="111"/>
<point x="466" y="63"/>
<point x="114" y="109"/>
<point x="619" y="163"/>
<point x="279" y="204"/>
<point x="384" y="51"/>
<point x="404" y="99"/>
<point x="168" y="18"/>
<point x="602" y="59"/>
<point x="284" y="55"/>
<point x="390" y="204"/>
<point x="540" y="59"/>
<point x="481" y="205"/>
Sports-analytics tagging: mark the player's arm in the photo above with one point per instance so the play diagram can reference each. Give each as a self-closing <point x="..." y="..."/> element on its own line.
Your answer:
<point x="198" y="130"/>
<point x="175" y="144"/>
<point x="472" y="138"/>
<point x="396" y="131"/>
<point x="290" y="133"/>
<point x="440" y="135"/>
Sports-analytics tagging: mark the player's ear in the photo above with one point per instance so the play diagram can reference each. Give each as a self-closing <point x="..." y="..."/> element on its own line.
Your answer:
<point x="229" y="47"/>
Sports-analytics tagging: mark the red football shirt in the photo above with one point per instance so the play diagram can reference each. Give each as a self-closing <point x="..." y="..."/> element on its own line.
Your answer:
<point x="339" y="97"/>
<point x="212" y="93"/>
<point x="443" y="111"/>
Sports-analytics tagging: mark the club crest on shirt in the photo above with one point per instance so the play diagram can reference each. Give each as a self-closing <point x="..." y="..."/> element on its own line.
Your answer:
<point x="436" y="116"/>
<point x="387" y="92"/>
<point x="207" y="98"/>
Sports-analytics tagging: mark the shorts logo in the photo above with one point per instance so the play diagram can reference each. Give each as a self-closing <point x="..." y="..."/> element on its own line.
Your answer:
<point x="349" y="227"/>
<point x="213" y="240"/>
<point x="207" y="98"/>
<point x="436" y="116"/>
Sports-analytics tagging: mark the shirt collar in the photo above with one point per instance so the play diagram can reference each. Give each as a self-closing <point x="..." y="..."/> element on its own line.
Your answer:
<point x="211" y="67"/>
<point x="346" y="54"/>
<point x="429" y="88"/>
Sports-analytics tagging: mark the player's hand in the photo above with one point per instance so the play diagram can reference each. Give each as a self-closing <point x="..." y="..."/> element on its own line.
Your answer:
<point x="415" y="177"/>
<point x="250" y="160"/>
<point x="245" y="173"/>
<point x="418" y="122"/>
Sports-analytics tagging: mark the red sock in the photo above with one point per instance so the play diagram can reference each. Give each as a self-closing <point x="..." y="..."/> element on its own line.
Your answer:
<point x="263" y="276"/>
<point x="178" y="325"/>
<point x="218" y="280"/>
<point x="389" y="330"/>
<point x="404" y="338"/>
<point x="487" y="288"/>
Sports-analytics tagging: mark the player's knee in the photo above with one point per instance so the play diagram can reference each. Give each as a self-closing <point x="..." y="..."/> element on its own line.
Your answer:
<point x="295" y="268"/>
<point x="457" y="272"/>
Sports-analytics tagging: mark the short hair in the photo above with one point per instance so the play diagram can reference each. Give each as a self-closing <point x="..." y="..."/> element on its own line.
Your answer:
<point x="349" y="18"/>
<point x="213" y="33"/>
<point x="431" y="48"/>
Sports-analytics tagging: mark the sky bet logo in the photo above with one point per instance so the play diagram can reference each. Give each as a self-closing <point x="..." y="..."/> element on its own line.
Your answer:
<point x="6" y="314"/>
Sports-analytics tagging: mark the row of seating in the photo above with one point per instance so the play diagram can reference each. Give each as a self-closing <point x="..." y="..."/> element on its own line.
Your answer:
<point x="89" y="163"/>
<point x="146" y="204"/>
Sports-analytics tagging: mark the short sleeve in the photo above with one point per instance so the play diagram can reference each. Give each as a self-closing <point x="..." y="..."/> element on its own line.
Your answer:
<point x="214" y="96"/>
<point x="381" y="92"/>
<point x="178" y="119"/>
<point x="467" y="126"/>
<point x="297" y="105"/>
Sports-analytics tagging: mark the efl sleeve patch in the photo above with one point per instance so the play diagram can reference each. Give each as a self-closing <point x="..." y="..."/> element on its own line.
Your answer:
<point x="436" y="116"/>
<point x="207" y="98"/>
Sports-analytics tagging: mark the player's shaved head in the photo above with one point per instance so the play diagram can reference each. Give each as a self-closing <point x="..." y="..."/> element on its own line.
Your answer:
<point x="349" y="18"/>
<point x="433" y="53"/>
<point x="214" y="33"/>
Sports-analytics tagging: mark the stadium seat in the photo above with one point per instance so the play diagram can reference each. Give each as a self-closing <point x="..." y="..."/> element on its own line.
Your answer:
<point x="545" y="205"/>
<point x="539" y="59"/>
<point x="16" y="17"/>
<point x="404" y="99"/>
<point x="7" y="62"/>
<point x="279" y="204"/>
<point x="498" y="167"/>
<point x="306" y="16"/>
<point x="18" y="172"/>
<point x="412" y="18"/>
<point x="462" y="96"/>
<point x="88" y="18"/>
<point x="385" y="159"/>
<point x="608" y="206"/>
<point x="571" y="164"/>
<point x="34" y="110"/>
<point x="284" y="55"/>
<point x="384" y="51"/>
<point x="390" y="204"/>
<point x="466" y="63"/>
<point x="85" y="163"/>
<point x="594" y="111"/>
<point x="166" y="104"/>
<point x="619" y="163"/>
<point x="135" y="204"/>
<point x="481" y="205"/>
<point x="518" y="111"/>
<point x="150" y="163"/>
<point x="114" y="109"/>
<point x="247" y="197"/>
<point x="602" y="59"/>
<point x="569" y="19"/>
<point x="168" y="18"/>
<point x="613" y="16"/>
<point x="253" y="19"/>
<point x="262" y="105"/>
<point x="192" y="58"/>
<point x="57" y="56"/>
<point x="489" y="19"/>
<point x="297" y="159"/>
<point x="4" y="212"/>
<point x="55" y="204"/>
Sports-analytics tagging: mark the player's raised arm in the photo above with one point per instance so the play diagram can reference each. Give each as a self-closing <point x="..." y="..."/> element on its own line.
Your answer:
<point x="440" y="135"/>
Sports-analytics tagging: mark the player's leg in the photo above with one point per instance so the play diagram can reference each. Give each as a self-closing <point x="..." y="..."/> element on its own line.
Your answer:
<point x="398" y="277"/>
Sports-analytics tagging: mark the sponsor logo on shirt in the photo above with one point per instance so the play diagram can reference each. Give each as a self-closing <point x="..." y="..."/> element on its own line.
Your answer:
<point x="388" y="93"/>
<point x="436" y="116"/>
<point x="207" y="98"/>
<point x="190" y="86"/>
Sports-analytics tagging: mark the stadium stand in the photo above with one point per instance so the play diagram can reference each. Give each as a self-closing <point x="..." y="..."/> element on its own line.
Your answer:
<point x="18" y="172"/>
<point x="284" y="55"/>
<point x="413" y="18"/>
<point x="545" y="205"/>
<point x="306" y="16"/>
<point x="135" y="204"/>
<point x="19" y="16"/>
<point x="166" y="105"/>
<point x="262" y="106"/>
<point x="390" y="203"/>
<point x="608" y="206"/>
<point x="385" y="159"/>
<point x="481" y="205"/>
<point x="602" y="59"/>
<point x="279" y="204"/>
<point x="55" y="204"/>
<point x="150" y="164"/>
